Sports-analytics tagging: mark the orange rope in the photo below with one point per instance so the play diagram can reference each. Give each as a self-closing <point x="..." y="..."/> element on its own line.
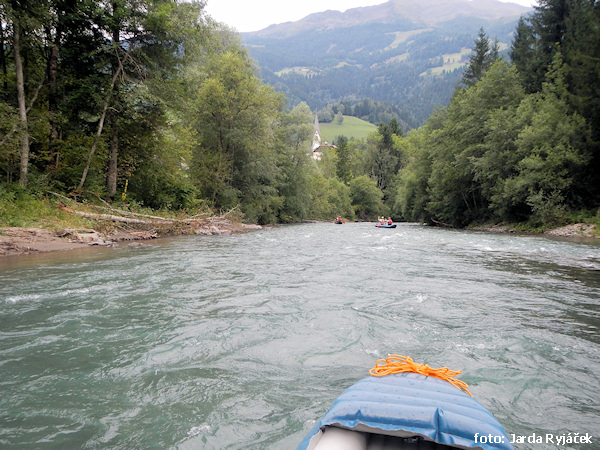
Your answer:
<point x="401" y="364"/>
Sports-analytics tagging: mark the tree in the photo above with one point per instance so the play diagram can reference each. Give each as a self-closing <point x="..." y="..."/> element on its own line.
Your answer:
<point x="459" y="147"/>
<point x="3" y="50"/>
<point x="234" y="115"/>
<point x="411" y="196"/>
<point x="522" y="54"/>
<point x="343" y="160"/>
<point x="385" y="157"/>
<point x="552" y="145"/>
<point x="295" y="167"/>
<point x="21" y="101"/>
<point x="481" y="60"/>
<point x="366" y="197"/>
<point x="548" y="26"/>
<point x="581" y="50"/>
<point x="569" y="27"/>
<point x="22" y="16"/>
<point x="394" y="127"/>
<point x="329" y="198"/>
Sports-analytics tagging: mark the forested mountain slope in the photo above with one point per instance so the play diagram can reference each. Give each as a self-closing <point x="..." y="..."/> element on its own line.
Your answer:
<point x="406" y="53"/>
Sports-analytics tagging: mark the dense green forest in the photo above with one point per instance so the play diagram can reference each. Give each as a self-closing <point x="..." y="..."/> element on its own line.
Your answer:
<point x="150" y="102"/>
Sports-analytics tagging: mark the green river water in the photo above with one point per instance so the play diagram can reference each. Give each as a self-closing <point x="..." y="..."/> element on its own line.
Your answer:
<point x="233" y="342"/>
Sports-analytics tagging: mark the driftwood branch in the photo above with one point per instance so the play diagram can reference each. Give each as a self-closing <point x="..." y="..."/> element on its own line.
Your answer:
<point x="109" y="217"/>
<point x="121" y="218"/>
<point x="442" y="224"/>
<point x="147" y="216"/>
<point x="62" y="196"/>
<point x="223" y="216"/>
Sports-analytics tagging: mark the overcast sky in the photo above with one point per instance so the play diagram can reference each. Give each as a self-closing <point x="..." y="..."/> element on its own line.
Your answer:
<point x="254" y="15"/>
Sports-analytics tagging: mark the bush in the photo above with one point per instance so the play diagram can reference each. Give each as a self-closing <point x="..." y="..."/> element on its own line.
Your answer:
<point x="547" y="209"/>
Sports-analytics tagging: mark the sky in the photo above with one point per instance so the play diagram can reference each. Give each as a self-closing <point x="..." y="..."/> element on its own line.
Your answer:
<point x="254" y="15"/>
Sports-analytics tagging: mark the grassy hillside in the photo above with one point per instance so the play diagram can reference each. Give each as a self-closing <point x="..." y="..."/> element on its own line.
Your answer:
<point x="351" y="127"/>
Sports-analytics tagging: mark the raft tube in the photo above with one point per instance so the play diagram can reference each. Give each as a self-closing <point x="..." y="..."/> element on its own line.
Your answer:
<point x="406" y="410"/>
<point x="385" y="226"/>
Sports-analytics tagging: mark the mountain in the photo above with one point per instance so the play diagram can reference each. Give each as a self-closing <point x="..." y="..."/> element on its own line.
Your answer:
<point x="409" y="54"/>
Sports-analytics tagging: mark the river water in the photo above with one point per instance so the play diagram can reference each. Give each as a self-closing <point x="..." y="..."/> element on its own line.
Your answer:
<point x="231" y="342"/>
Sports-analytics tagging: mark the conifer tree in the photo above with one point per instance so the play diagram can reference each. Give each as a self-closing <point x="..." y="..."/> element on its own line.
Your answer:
<point x="343" y="160"/>
<point x="548" y="26"/>
<point x="522" y="53"/>
<point x="484" y="55"/>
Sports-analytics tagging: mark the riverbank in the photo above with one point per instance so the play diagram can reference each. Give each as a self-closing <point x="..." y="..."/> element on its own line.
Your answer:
<point x="23" y="241"/>
<point x="577" y="230"/>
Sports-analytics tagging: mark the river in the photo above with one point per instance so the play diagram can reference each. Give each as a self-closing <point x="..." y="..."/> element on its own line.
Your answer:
<point x="231" y="342"/>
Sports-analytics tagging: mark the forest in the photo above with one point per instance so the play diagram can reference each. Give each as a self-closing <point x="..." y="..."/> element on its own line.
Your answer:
<point x="151" y="103"/>
<point x="519" y="141"/>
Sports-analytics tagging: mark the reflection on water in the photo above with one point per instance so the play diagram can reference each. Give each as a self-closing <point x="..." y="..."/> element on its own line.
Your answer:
<point x="244" y="341"/>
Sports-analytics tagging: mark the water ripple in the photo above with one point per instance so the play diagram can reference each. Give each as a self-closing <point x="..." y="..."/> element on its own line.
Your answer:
<point x="238" y="341"/>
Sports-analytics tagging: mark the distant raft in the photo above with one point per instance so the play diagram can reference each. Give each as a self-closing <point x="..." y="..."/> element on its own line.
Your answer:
<point x="406" y="411"/>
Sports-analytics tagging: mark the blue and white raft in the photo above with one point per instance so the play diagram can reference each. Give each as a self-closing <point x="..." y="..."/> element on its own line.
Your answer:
<point x="406" y="411"/>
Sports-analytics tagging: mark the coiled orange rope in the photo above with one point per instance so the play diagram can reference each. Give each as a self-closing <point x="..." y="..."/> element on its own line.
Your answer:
<point x="401" y="364"/>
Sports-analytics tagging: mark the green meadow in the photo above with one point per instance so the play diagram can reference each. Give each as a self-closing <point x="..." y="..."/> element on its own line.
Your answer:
<point x="351" y="127"/>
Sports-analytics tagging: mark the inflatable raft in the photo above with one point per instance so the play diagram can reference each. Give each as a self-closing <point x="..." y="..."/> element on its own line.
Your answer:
<point x="379" y="225"/>
<point x="406" y="411"/>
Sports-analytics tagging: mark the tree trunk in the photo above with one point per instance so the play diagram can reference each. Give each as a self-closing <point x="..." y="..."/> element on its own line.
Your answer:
<point x="99" y="131"/>
<point x="3" y="59"/>
<point x="111" y="179"/>
<point x="113" y="159"/>
<point x="53" y="87"/>
<point x="22" y="105"/>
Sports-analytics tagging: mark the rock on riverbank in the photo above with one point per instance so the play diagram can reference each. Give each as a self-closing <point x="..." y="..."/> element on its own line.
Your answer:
<point x="582" y="230"/>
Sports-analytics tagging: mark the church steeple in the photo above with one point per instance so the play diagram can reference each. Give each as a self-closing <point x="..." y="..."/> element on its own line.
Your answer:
<point x="317" y="136"/>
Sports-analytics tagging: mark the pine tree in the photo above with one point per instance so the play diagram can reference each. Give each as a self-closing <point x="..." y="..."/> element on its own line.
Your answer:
<point x="481" y="60"/>
<point x="581" y="50"/>
<point x="548" y="26"/>
<point x="522" y="53"/>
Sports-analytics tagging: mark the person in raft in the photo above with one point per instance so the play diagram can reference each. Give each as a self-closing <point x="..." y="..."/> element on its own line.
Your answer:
<point x="389" y="221"/>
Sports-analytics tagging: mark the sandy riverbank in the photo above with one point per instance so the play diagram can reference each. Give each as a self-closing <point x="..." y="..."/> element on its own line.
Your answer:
<point x="23" y="241"/>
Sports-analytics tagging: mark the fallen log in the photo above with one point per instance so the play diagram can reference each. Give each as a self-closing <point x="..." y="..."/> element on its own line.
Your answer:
<point x="161" y="219"/>
<point x="110" y="217"/>
<point x="122" y="218"/>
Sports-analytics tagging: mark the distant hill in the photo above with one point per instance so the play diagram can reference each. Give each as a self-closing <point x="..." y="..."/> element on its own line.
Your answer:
<point x="351" y="127"/>
<point x="410" y="54"/>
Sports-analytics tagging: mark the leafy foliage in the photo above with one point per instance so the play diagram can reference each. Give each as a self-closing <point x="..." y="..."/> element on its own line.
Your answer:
<point x="150" y="102"/>
<point x="366" y="197"/>
<point x="499" y="154"/>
